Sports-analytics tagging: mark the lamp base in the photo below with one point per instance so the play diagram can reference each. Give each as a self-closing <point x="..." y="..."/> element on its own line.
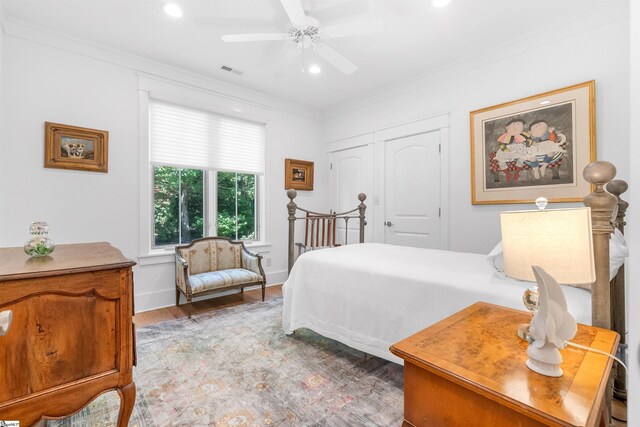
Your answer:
<point x="545" y="360"/>
<point x="523" y="331"/>
<point x="547" y="369"/>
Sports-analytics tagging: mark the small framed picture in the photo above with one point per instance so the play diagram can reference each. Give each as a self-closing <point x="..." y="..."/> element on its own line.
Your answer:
<point x="72" y="147"/>
<point x="298" y="174"/>
<point x="532" y="147"/>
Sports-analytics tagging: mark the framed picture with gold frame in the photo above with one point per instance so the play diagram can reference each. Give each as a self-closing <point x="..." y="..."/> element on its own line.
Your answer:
<point x="73" y="147"/>
<point x="535" y="146"/>
<point x="298" y="174"/>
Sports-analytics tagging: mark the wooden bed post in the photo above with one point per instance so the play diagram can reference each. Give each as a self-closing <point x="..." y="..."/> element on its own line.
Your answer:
<point x="603" y="209"/>
<point x="291" y="208"/>
<point x="361" y="209"/>
<point x="617" y="187"/>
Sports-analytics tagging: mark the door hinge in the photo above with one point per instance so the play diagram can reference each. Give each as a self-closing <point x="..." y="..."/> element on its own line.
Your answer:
<point x="439" y="148"/>
<point x="331" y="166"/>
<point x="439" y="212"/>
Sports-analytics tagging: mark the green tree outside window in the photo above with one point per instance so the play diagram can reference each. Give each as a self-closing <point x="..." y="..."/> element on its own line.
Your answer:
<point x="179" y="199"/>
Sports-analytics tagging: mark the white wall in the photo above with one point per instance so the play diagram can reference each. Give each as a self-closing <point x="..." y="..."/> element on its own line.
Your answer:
<point x="591" y="50"/>
<point x="43" y="83"/>
<point x="1" y="95"/>
<point x="633" y="227"/>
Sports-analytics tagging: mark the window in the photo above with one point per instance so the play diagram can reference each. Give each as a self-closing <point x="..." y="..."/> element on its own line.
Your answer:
<point x="178" y="203"/>
<point x="236" y="205"/>
<point x="205" y="175"/>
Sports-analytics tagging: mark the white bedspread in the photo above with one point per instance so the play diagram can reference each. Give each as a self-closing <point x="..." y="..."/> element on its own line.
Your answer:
<point x="370" y="296"/>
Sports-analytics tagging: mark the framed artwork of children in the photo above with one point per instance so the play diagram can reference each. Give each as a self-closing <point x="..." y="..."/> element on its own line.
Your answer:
<point x="298" y="174"/>
<point x="532" y="147"/>
<point x="73" y="147"/>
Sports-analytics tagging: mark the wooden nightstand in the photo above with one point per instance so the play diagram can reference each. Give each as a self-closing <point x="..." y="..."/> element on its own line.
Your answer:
<point x="469" y="370"/>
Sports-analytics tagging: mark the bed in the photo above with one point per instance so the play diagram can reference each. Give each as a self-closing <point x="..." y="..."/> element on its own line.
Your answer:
<point x="369" y="296"/>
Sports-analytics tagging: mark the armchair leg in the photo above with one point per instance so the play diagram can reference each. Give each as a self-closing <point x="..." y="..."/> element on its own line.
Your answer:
<point x="242" y="290"/>
<point x="263" y="286"/>
<point x="190" y="306"/>
<point x="177" y="297"/>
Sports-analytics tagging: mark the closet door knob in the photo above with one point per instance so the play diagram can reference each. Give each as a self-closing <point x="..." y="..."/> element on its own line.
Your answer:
<point x="388" y="223"/>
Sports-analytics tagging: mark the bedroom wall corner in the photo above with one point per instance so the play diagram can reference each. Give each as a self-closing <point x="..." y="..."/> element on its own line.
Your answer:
<point x="633" y="226"/>
<point x="490" y="79"/>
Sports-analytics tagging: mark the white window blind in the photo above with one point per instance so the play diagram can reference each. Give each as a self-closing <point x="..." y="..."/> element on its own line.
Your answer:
<point x="184" y="137"/>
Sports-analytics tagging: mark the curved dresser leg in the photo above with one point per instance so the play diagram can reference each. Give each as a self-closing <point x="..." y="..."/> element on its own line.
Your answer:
<point x="127" y="400"/>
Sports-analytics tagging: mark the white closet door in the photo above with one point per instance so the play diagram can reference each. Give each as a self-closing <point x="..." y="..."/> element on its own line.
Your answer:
<point x="351" y="174"/>
<point x="412" y="191"/>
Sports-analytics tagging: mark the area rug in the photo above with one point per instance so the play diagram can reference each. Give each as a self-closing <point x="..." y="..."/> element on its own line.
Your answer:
<point x="235" y="367"/>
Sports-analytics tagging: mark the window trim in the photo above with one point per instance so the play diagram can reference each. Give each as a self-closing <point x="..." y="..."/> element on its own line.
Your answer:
<point x="147" y="254"/>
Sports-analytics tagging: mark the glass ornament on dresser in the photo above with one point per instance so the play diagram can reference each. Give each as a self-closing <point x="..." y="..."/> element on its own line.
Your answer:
<point x="40" y="244"/>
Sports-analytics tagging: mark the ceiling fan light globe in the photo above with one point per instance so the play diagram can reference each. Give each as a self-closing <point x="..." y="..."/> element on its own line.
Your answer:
<point x="172" y="10"/>
<point x="314" y="69"/>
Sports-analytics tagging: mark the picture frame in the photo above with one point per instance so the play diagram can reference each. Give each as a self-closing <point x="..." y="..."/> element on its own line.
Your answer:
<point x="298" y="174"/>
<point x="76" y="148"/>
<point x="535" y="146"/>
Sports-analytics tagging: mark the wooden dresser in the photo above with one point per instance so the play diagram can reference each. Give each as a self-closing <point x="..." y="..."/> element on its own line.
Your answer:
<point x="469" y="370"/>
<point x="72" y="336"/>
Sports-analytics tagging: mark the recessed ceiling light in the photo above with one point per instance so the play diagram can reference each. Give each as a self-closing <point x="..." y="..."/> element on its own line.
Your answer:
<point x="237" y="109"/>
<point x="545" y="102"/>
<point x="314" y="69"/>
<point x="440" y="3"/>
<point x="173" y="9"/>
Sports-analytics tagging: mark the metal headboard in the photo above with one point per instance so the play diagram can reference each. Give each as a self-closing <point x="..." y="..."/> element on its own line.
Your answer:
<point x="329" y="221"/>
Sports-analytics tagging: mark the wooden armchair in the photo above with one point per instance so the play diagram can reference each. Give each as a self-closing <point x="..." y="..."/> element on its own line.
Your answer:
<point x="215" y="264"/>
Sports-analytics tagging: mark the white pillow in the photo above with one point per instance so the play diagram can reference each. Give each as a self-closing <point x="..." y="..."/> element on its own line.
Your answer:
<point x="495" y="260"/>
<point x="618" y="251"/>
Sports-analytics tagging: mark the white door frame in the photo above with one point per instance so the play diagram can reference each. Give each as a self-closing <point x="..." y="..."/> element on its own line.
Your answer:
<point x="366" y="139"/>
<point x="376" y="200"/>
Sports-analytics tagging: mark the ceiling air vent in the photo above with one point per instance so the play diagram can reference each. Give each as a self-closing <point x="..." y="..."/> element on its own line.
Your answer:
<point x="232" y="70"/>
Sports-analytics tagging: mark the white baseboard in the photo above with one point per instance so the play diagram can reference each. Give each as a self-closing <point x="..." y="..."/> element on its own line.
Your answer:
<point x="167" y="298"/>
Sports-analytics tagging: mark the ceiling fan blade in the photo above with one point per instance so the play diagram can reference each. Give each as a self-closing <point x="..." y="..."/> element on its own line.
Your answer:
<point x="295" y="12"/>
<point x="232" y="38"/>
<point x="327" y="11"/>
<point x="334" y="58"/>
<point x="225" y="21"/>
<point x="285" y="59"/>
<point x="352" y="28"/>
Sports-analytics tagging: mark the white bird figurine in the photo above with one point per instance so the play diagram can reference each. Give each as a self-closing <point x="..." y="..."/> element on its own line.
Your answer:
<point x="551" y="327"/>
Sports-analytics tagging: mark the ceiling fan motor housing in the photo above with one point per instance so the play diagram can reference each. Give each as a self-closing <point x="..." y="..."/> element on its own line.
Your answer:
<point x="307" y="35"/>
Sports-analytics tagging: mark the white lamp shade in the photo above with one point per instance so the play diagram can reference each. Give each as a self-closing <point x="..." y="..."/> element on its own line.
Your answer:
<point x="558" y="240"/>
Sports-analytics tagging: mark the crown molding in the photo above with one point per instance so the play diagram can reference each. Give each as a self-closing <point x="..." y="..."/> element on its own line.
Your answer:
<point x="614" y="12"/>
<point x="37" y="34"/>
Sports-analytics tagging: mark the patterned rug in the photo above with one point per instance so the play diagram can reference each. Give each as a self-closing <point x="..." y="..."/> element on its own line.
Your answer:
<point x="235" y="367"/>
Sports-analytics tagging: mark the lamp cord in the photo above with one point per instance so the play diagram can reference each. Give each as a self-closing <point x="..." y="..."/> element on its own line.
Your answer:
<point x="572" y="344"/>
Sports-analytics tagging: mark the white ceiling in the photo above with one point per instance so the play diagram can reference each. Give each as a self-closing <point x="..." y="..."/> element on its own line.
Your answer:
<point x="417" y="38"/>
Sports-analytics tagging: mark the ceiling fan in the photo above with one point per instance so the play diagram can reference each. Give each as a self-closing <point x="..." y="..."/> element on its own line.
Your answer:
<point x="306" y="31"/>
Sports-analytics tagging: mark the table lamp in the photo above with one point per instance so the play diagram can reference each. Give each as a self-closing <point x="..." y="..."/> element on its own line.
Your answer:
<point x="558" y="240"/>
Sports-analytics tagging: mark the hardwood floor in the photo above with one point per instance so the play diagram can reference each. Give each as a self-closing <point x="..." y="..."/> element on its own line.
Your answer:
<point x="168" y="313"/>
<point x="213" y="303"/>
